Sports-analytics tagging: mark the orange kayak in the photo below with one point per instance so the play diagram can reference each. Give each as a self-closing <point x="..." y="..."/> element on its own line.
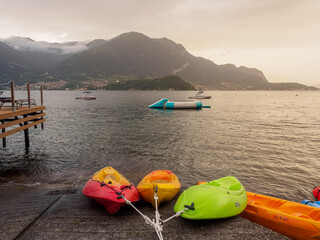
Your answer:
<point x="166" y="182"/>
<point x="294" y="220"/>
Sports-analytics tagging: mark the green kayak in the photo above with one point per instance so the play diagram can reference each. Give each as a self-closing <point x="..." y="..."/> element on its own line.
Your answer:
<point x="221" y="198"/>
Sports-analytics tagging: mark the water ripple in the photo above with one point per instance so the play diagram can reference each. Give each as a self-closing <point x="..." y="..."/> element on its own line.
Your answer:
<point x="269" y="140"/>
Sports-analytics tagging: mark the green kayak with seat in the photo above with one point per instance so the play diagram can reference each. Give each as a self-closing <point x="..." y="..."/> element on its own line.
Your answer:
<point x="221" y="198"/>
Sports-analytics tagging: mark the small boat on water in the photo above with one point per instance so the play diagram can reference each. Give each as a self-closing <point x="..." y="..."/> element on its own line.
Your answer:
<point x="164" y="103"/>
<point x="106" y="186"/>
<point x="294" y="220"/>
<point x="85" y="96"/>
<point x="165" y="182"/>
<point x="200" y="95"/>
<point x="221" y="198"/>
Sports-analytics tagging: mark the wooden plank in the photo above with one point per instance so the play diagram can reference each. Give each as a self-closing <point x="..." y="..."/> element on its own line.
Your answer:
<point x="21" y="120"/>
<point x="9" y="114"/>
<point x="6" y="110"/>
<point x="2" y="135"/>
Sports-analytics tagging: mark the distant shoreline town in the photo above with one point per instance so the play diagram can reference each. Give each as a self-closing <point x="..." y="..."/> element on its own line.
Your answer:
<point x="97" y="85"/>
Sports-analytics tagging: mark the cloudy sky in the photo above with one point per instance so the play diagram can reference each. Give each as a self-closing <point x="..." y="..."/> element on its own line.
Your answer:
<point x="279" y="37"/>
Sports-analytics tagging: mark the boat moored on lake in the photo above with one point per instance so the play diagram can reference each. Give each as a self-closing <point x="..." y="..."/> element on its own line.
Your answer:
<point x="86" y="96"/>
<point x="200" y="95"/>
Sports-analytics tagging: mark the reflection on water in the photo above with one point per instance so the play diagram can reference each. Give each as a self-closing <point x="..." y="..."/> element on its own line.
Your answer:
<point x="269" y="140"/>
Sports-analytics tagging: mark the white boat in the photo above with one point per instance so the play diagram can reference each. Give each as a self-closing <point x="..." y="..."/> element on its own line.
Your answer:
<point x="85" y="96"/>
<point x="200" y="95"/>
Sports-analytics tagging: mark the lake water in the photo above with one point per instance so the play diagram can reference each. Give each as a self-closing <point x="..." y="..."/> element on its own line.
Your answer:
<point x="269" y="140"/>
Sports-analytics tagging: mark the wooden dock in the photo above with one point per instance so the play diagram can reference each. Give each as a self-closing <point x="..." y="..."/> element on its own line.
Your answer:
<point x="21" y="115"/>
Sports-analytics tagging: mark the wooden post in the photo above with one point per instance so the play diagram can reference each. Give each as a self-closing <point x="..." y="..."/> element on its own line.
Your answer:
<point x="41" y="94"/>
<point x="12" y="95"/>
<point x="4" y="141"/>
<point x="29" y="99"/>
<point x="26" y="138"/>
<point x="26" y="134"/>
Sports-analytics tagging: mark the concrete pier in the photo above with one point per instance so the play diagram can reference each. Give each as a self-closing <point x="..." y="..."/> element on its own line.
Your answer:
<point x="65" y="213"/>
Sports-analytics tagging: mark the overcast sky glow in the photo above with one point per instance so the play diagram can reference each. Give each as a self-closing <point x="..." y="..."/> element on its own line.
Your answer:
<point x="279" y="37"/>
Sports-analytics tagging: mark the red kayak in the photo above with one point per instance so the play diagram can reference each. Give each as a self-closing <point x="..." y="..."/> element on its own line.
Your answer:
<point x="106" y="187"/>
<point x="316" y="192"/>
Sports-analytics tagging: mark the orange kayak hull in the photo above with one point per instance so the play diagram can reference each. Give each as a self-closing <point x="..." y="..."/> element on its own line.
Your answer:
<point x="294" y="220"/>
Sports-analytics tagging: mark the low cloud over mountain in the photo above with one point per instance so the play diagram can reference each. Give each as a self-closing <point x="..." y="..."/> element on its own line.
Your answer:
<point x="27" y="44"/>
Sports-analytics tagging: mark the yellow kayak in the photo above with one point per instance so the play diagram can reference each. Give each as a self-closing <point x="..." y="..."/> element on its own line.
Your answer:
<point x="166" y="182"/>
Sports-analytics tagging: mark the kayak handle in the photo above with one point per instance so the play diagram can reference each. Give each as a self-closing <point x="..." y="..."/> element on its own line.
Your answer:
<point x="191" y="207"/>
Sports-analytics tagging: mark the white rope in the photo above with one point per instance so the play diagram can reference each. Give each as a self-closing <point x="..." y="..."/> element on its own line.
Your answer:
<point x="191" y="207"/>
<point x="159" y="234"/>
<point x="157" y="223"/>
<point x="175" y="215"/>
<point x="148" y="220"/>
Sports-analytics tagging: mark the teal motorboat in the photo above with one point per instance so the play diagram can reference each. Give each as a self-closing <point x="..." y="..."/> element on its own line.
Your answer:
<point x="221" y="198"/>
<point x="164" y="103"/>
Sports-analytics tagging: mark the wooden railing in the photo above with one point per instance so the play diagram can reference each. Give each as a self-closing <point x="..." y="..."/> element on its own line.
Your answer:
<point x="21" y="118"/>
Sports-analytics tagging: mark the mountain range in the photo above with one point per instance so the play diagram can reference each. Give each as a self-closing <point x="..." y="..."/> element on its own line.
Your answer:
<point x="129" y="56"/>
